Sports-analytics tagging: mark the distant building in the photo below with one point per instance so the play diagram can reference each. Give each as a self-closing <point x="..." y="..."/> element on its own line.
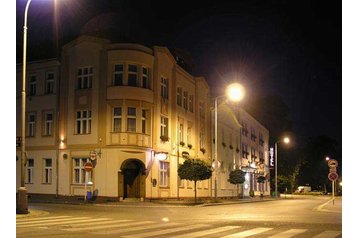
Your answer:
<point x="120" y="106"/>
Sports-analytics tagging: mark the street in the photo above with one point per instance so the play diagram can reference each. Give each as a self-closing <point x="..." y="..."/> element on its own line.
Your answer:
<point x="299" y="217"/>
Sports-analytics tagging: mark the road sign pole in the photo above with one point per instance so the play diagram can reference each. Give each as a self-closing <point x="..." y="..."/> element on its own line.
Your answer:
<point x="333" y="191"/>
<point x="86" y="186"/>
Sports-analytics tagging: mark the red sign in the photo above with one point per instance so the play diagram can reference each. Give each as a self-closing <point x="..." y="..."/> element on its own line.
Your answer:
<point x="88" y="166"/>
<point x="333" y="176"/>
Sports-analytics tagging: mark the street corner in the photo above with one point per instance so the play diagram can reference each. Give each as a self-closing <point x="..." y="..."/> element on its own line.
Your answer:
<point x="32" y="213"/>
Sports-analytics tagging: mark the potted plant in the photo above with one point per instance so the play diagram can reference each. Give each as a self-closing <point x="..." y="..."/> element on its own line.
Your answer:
<point x="164" y="138"/>
<point x="237" y="150"/>
<point x="224" y="145"/>
<point x="181" y="143"/>
<point x="231" y="147"/>
<point x="190" y="146"/>
<point x="203" y="150"/>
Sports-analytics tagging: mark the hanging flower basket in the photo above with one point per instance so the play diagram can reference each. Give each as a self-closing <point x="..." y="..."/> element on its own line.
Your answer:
<point x="164" y="138"/>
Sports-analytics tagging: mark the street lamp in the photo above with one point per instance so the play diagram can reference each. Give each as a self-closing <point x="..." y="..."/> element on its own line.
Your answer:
<point x="285" y="140"/>
<point x="22" y="202"/>
<point x="234" y="92"/>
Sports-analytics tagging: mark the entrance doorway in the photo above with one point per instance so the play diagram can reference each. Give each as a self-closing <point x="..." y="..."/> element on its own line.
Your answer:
<point x="131" y="179"/>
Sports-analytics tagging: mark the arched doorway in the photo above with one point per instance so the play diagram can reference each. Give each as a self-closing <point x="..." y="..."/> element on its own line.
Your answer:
<point x="131" y="178"/>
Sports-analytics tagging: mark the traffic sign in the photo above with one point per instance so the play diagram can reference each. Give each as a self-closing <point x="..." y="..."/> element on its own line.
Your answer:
<point x="88" y="166"/>
<point x="332" y="163"/>
<point x="333" y="176"/>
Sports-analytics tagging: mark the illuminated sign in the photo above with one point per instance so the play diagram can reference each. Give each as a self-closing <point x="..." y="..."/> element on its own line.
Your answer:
<point x="272" y="158"/>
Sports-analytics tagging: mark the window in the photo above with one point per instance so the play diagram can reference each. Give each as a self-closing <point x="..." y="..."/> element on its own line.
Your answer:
<point x="144" y="118"/>
<point x="188" y="135"/>
<point x="202" y="109"/>
<point x="261" y="139"/>
<point x="48" y="123"/>
<point x="191" y="103"/>
<point x="47" y="175"/>
<point x="132" y="75"/>
<point x="31" y="124"/>
<point x="202" y="140"/>
<point x="30" y="171"/>
<point x="79" y="172"/>
<point x="117" y="119"/>
<point x="118" y="75"/>
<point x="164" y="88"/>
<point x="185" y="100"/>
<point x="163" y="174"/>
<point x="84" y="77"/>
<point x="181" y="132"/>
<point x="131" y="119"/>
<point x="253" y="153"/>
<point x="50" y="82"/>
<point x="244" y="151"/>
<point x="179" y="96"/>
<point x="163" y="126"/>
<point x="145" y="77"/>
<point x="261" y="156"/>
<point x="253" y="134"/>
<point x="32" y="88"/>
<point x="83" y="122"/>
<point x="244" y="128"/>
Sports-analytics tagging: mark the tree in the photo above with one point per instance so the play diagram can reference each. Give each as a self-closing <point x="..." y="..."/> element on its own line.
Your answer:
<point x="195" y="170"/>
<point x="237" y="177"/>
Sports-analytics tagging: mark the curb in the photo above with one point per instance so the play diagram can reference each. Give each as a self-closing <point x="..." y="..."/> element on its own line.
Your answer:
<point x="32" y="213"/>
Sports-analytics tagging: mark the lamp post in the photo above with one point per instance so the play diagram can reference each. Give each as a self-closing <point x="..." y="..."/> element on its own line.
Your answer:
<point x="234" y="92"/>
<point x="286" y="140"/>
<point x="22" y="202"/>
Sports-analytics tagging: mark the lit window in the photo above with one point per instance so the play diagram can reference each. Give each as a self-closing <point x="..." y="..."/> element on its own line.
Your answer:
<point x="181" y="132"/>
<point x="83" y="122"/>
<point x="144" y="117"/>
<point x="188" y="135"/>
<point x="185" y="100"/>
<point x="84" y="77"/>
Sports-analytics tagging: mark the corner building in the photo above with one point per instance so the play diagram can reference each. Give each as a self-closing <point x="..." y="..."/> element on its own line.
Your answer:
<point x="134" y="113"/>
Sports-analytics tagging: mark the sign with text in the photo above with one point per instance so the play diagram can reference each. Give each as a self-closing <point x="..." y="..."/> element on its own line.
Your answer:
<point x="272" y="158"/>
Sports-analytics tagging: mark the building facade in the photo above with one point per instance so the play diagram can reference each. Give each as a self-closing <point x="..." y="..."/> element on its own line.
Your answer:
<point x="130" y="110"/>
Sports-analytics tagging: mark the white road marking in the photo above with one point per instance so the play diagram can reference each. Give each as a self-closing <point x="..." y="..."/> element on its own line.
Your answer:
<point x="53" y="222"/>
<point x="328" y="234"/>
<point x="248" y="232"/>
<point x="288" y="233"/>
<point x="206" y="232"/>
<point x="93" y="227"/>
<point x="138" y="229"/>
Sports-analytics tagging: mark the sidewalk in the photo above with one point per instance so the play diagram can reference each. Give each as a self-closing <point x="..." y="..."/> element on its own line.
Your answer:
<point x="134" y="203"/>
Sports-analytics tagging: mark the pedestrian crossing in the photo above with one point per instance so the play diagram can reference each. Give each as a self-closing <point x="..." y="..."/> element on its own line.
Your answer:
<point x="127" y="228"/>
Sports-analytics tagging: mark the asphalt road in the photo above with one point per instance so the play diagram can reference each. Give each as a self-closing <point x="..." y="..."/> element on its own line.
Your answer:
<point x="302" y="217"/>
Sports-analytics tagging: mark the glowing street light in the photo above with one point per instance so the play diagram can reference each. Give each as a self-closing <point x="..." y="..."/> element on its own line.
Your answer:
<point x="285" y="140"/>
<point x="234" y="92"/>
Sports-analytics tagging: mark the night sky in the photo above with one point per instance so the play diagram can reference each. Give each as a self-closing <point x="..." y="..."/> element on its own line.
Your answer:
<point x="291" y="49"/>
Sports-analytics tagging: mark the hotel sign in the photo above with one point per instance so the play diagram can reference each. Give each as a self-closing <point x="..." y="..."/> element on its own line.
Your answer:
<point x="272" y="158"/>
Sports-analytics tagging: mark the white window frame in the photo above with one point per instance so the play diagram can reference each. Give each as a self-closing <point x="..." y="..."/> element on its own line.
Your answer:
<point x="80" y="167"/>
<point x="191" y="103"/>
<point x="132" y="118"/>
<point x="47" y="175"/>
<point x="145" y="77"/>
<point x="32" y="85"/>
<point x="31" y="124"/>
<point x="84" y="80"/>
<point x="163" y="126"/>
<point x="164" y="174"/>
<point x="48" y="124"/>
<point x="118" y="72"/>
<point x="135" y="73"/>
<point x="30" y="170"/>
<point x="83" y="122"/>
<point x="115" y="118"/>
<point x="50" y="83"/>
<point x="144" y="121"/>
<point x="188" y="135"/>
<point x="164" y="88"/>
<point x="179" y="96"/>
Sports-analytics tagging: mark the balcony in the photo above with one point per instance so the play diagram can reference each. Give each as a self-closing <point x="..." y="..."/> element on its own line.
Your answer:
<point x="128" y="92"/>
